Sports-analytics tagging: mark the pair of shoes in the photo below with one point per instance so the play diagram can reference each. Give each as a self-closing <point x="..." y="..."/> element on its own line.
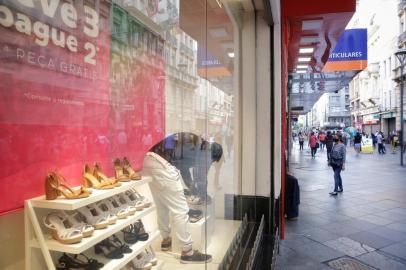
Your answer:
<point x="135" y="232"/>
<point x="333" y="193"/>
<point x="62" y="229"/>
<point x="108" y="211"/>
<point x="137" y="199"/>
<point x="95" y="178"/>
<point x="143" y="261"/>
<point x="194" y="257"/>
<point x="112" y="248"/>
<point x="124" y="170"/>
<point x="195" y="215"/>
<point x="78" y="261"/>
<point x="56" y="185"/>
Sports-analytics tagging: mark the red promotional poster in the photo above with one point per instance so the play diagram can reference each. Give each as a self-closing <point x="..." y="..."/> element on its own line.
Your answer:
<point x="62" y="105"/>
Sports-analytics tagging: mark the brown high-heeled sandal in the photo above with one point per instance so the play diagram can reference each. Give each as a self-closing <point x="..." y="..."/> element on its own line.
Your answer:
<point x="127" y="169"/>
<point x="53" y="189"/>
<point x="91" y="181"/>
<point x="62" y="180"/>
<point x="98" y="173"/>
<point x="119" y="170"/>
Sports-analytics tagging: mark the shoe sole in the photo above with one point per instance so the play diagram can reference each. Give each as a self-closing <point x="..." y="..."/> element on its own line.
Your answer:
<point x="195" y="262"/>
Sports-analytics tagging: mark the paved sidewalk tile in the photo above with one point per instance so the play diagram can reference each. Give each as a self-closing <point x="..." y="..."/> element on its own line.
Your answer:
<point x="349" y="246"/>
<point x="380" y="261"/>
<point x="399" y="250"/>
<point x="389" y="233"/>
<point x="319" y="252"/>
<point x="371" y="239"/>
<point x="320" y="235"/>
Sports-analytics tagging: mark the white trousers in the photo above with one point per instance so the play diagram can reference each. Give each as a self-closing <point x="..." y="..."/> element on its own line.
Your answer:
<point x="167" y="191"/>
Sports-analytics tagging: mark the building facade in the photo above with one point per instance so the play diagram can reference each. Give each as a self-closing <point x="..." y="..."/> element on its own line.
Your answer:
<point x="373" y="93"/>
<point x="331" y="111"/>
<point x="401" y="42"/>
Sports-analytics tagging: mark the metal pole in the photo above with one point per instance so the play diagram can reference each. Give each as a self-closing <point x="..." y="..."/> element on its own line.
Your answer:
<point x="401" y="115"/>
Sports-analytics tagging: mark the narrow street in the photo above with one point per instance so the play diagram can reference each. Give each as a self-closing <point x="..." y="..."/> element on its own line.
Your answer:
<point x="366" y="222"/>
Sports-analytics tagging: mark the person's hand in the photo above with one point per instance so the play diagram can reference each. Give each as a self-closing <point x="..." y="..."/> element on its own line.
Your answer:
<point x="343" y="167"/>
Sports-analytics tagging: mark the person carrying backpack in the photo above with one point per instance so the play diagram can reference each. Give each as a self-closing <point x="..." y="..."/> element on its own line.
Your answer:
<point x="337" y="162"/>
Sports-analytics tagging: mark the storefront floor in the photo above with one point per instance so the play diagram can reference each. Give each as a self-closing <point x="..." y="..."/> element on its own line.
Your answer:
<point x="220" y="241"/>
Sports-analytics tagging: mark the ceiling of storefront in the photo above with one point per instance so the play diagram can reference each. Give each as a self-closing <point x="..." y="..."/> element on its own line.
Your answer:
<point x="316" y="24"/>
<point x="306" y="89"/>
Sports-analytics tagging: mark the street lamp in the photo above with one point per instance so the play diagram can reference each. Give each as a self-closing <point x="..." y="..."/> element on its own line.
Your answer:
<point x="401" y="55"/>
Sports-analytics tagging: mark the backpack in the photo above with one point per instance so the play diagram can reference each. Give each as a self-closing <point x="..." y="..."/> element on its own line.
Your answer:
<point x="335" y="157"/>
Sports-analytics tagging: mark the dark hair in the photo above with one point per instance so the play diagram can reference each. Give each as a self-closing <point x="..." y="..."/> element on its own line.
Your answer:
<point x="216" y="152"/>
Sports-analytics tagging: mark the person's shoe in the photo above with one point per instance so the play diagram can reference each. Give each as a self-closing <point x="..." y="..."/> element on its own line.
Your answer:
<point x="191" y="257"/>
<point x="166" y="244"/>
<point x="333" y="193"/>
<point x="340" y="190"/>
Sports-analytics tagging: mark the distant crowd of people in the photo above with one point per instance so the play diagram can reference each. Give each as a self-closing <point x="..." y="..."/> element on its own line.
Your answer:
<point x="319" y="139"/>
<point x="335" y="142"/>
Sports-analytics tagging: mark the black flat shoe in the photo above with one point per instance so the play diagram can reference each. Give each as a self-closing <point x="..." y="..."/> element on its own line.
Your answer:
<point x="333" y="193"/>
<point x="340" y="190"/>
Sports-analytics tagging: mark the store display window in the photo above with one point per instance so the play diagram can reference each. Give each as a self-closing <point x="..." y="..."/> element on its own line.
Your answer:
<point x="119" y="132"/>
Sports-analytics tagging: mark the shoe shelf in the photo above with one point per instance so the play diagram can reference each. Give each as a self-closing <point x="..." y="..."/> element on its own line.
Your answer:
<point x="97" y="195"/>
<point x="97" y="236"/>
<point x="41" y="250"/>
<point x="113" y="264"/>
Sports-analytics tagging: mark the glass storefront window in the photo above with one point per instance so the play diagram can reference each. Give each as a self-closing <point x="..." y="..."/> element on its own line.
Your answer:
<point x="86" y="82"/>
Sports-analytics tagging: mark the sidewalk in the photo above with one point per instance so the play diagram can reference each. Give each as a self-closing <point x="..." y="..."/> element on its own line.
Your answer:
<point x="366" y="222"/>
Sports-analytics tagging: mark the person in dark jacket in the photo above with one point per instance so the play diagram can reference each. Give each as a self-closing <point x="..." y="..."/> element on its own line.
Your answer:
<point x="329" y="144"/>
<point x="292" y="198"/>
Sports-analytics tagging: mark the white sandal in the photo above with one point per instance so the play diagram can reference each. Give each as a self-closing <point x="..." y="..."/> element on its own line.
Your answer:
<point x="116" y="208"/>
<point x="78" y="223"/>
<point x="94" y="217"/>
<point x="111" y="217"/>
<point x="142" y="262"/>
<point x="54" y="222"/>
<point x="145" y="201"/>
<point x="134" y="201"/>
<point x="151" y="256"/>
<point x="124" y="202"/>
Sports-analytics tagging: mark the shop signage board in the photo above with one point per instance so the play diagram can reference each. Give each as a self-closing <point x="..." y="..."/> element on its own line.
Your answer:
<point x="370" y="119"/>
<point x="367" y="146"/>
<point x="58" y="106"/>
<point x="388" y="115"/>
<point x="350" y="53"/>
<point x="208" y="65"/>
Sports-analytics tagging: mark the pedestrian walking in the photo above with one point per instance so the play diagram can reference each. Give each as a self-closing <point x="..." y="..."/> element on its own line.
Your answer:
<point x="329" y="144"/>
<point x="301" y="140"/>
<point x="322" y="139"/>
<point x="357" y="142"/>
<point x="374" y="139"/>
<point x="379" y="141"/>
<point x="337" y="163"/>
<point x="313" y="143"/>
<point x="394" y="141"/>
